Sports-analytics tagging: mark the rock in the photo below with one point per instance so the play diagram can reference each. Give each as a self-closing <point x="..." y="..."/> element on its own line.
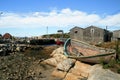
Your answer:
<point x="71" y="76"/>
<point x="58" y="73"/>
<point x="51" y="61"/>
<point x="55" y="60"/>
<point x="59" y="50"/>
<point x="81" y="69"/>
<point x="66" y="64"/>
<point x="34" y="69"/>
<point x="57" y="57"/>
<point x="98" y="73"/>
<point x="18" y="49"/>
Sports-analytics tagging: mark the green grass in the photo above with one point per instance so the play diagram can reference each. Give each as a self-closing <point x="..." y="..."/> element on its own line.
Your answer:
<point x="114" y="64"/>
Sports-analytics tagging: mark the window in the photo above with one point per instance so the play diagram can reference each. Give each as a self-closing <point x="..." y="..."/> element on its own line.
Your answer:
<point x="92" y="30"/>
<point x="76" y="32"/>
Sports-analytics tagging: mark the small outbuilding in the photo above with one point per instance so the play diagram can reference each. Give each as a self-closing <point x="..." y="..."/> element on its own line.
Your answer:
<point x="116" y="34"/>
<point x="76" y="33"/>
<point x="91" y="34"/>
<point x="7" y="36"/>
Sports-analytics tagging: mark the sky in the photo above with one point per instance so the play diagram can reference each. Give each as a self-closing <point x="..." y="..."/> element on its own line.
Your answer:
<point x="32" y="17"/>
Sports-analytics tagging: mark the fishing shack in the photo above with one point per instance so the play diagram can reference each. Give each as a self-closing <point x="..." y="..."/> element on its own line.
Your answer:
<point x="116" y="35"/>
<point x="91" y="34"/>
<point x="77" y="33"/>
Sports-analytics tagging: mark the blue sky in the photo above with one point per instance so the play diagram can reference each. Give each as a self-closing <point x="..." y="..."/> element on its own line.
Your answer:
<point x="31" y="17"/>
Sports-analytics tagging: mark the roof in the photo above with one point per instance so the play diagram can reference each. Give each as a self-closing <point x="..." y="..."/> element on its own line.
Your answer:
<point x="93" y="27"/>
<point x="60" y="31"/>
<point x="76" y="27"/>
<point x="7" y="36"/>
<point x="116" y="31"/>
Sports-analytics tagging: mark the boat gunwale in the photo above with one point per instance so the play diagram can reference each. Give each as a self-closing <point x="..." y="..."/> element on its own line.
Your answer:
<point x="66" y="53"/>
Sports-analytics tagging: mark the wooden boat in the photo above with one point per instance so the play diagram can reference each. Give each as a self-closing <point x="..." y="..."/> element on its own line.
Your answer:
<point x="87" y="53"/>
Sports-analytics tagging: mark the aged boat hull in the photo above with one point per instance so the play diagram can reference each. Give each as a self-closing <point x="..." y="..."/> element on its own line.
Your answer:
<point x="87" y="53"/>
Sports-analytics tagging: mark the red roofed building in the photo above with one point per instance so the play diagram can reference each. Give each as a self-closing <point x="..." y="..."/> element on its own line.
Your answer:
<point x="0" y="36"/>
<point x="7" y="36"/>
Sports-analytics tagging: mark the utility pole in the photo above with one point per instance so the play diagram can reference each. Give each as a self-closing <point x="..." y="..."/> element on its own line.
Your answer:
<point x="47" y="32"/>
<point x="106" y="27"/>
<point x="0" y="15"/>
<point x="0" y="22"/>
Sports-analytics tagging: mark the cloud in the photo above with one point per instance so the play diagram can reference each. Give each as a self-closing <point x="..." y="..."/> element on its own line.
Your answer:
<point x="57" y="18"/>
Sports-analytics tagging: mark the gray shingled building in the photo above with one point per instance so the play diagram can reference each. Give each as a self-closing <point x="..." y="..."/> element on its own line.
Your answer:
<point x="90" y="34"/>
<point x="77" y="33"/>
<point x="116" y="34"/>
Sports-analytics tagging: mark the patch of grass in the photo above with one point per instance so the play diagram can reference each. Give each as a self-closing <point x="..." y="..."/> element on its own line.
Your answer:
<point x="111" y="64"/>
<point x="118" y="71"/>
<point x="117" y="48"/>
<point x="114" y="64"/>
<point x="107" y="44"/>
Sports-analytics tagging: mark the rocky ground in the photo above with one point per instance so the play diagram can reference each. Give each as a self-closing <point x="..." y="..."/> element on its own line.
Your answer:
<point x="49" y="63"/>
<point x="71" y="69"/>
<point x="27" y="65"/>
